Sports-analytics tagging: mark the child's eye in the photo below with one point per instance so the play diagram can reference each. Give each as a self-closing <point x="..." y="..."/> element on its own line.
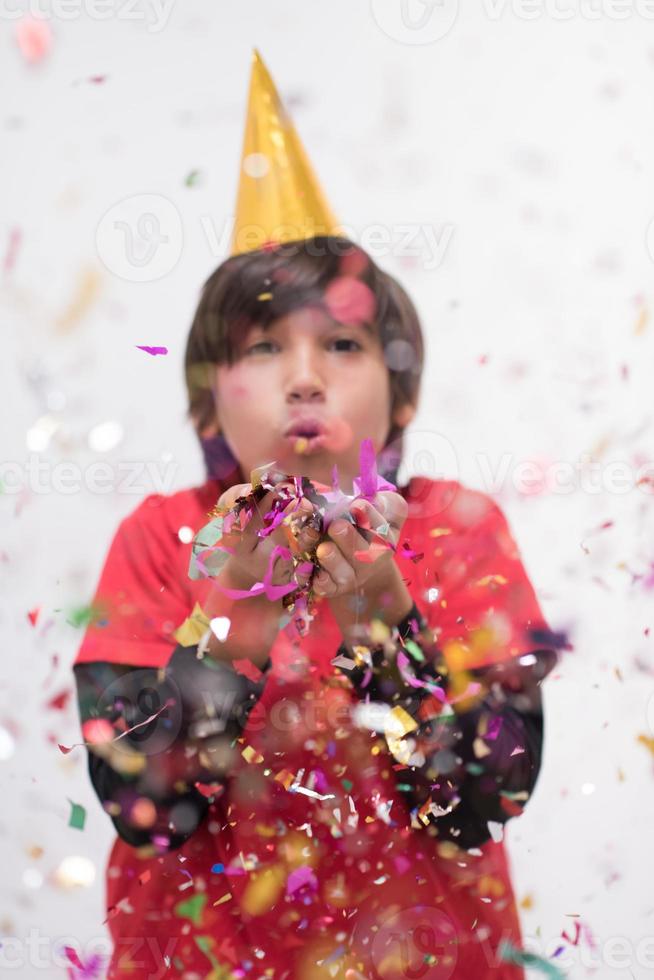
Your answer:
<point x="262" y="343"/>
<point x="346" y="340"/>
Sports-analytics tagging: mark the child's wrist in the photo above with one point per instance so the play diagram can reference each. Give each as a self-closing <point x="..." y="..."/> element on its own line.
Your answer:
<point x="388" y="601"/>
<point x="253" y="621"/>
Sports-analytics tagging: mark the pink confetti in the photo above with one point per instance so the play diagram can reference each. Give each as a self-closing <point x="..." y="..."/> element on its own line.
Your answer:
<point x="300" y="877"/>
<point x="349" y="300"/>
<point x="12" y="250"/>
<point x="494" y="729"/>
<point x="34" y="39"/>
<point x="152" y="350"/>
<point x="65" y="749"/>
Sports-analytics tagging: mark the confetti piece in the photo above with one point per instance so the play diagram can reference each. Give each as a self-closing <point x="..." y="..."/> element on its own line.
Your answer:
<point x="12" y="250"/>
<point x="73" y="956"/>
<point x="349" y="300"/>
<point x="284" y="777"/>
<point x="496" y="830"/>
<point x="311" y="792"/>
<point x="511" y="954"/>
<point x="60" y="701"/>
<point x="191" y="908"/>
<point x="33" y="615"/>
<point x="88" y="288"/>
<point x="65" y="749"/>
<point x="193" y="628"/>
<point x="77" y="816"/>
<point x="34" y="38"/>
<point x="641" y="322"/>
<point x="263" y="890"/>
<point x="152" y="350"/>
<point x="193" y="178"/>
<point x="251" y="755"/>
<point x="602" y="527"/>
<point x="217" y="869"/>
<point x="84" y="616"/>
<point x="491" y="580"/>
<point x="300" y="877"/>
<point x="209" y="790"/>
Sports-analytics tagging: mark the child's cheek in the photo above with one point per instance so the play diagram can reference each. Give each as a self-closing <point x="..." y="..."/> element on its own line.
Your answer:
<point x="235" y="388"/>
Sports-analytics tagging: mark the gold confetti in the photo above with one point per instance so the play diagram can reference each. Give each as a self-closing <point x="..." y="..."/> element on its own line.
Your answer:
<point x="495" y="579"/>
<point x="87" y="291"/>
<point x="251" y="755"/>
<point x="193" y="628"/>
<point x="263" y="890"/>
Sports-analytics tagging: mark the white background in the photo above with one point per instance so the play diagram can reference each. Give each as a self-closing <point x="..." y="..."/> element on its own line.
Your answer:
<point x="524" y="136"/>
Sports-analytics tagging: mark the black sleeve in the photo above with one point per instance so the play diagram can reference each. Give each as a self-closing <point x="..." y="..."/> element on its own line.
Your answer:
<point x="169" y="741"/>
<point x="460" y="769"/>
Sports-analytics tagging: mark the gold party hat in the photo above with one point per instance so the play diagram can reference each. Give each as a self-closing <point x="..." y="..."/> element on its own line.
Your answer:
<point x="279" y="197"/>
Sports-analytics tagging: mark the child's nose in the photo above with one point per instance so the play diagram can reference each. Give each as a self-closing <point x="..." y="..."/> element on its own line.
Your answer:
<point x="305" y="384"/>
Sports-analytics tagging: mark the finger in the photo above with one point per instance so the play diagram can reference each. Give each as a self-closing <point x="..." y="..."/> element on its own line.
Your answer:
<point x="392" y="506"/>
<point x="382" y="527"/>
<point x="262" y="513"/>
<point x="227" y="500"/>
<point x="341" y="571"/>
<point x="301" y="526"/>
<point x="377" y="531"/>
<point x="324" y="584"/>
<point x="348" y="538"/>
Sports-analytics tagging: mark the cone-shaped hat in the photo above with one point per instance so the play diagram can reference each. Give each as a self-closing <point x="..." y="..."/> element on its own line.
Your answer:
<point x="279" y="197"/>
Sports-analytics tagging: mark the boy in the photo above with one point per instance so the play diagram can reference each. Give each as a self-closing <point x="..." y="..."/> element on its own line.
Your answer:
<point x="319" y="794"/>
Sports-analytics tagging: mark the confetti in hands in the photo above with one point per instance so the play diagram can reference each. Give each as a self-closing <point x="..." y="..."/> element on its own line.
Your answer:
<point x="266" y="533"/>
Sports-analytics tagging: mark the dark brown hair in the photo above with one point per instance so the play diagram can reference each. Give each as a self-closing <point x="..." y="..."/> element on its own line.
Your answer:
<point x="263" y="285"/>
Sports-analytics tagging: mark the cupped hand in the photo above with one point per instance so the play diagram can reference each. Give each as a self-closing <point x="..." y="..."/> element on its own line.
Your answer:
<point x="358" y="553"/>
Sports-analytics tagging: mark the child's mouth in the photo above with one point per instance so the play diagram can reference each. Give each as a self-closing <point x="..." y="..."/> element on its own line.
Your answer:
<point x="306" y="443"/>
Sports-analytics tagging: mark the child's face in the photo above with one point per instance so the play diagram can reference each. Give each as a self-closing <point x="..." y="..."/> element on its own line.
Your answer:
<point x="310" y="368"/>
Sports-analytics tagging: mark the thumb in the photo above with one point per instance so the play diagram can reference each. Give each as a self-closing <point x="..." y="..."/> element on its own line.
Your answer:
<point x="231" y="495"/>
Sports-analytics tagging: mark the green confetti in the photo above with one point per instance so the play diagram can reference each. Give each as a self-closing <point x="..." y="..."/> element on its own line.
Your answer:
<point x="347" y="784"/>
<point x="77" y="815"/>
<point x="83" y="616"/>
<point x="511" y="954"/>
<point x="192" y="178"/>
<point x="205" y="943"/>
<point x="415" y="651"/>
<point x="191" y="908"/>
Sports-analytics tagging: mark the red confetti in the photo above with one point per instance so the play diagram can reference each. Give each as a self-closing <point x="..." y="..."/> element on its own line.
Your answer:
<point x="59" y="701"/>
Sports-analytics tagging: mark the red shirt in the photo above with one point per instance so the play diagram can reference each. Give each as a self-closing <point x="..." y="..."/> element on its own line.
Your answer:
<point x="313" y="884"/>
